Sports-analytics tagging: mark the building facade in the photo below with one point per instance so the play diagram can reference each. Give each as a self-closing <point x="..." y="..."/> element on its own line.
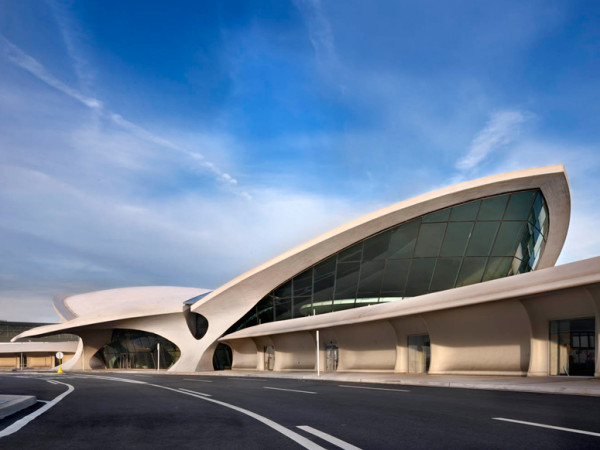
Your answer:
<point x="457" y="281"/>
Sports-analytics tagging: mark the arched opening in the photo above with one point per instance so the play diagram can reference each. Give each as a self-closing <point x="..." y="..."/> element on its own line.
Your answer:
<point x="223" y="357"/>
<point x="135" y="349"/>
<point x="197" y="323"/>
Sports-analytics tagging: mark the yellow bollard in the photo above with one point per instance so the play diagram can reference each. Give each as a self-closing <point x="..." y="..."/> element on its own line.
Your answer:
<point x="59" y="370"/>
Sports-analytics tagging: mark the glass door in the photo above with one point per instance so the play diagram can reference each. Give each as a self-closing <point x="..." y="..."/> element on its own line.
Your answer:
<point x="573" y="347"/>
<point x="419" y="353"/>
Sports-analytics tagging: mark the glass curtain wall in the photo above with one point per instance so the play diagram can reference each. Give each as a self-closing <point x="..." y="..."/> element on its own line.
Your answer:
<point x="134" y="349"/>
<point x="468" y="243"/>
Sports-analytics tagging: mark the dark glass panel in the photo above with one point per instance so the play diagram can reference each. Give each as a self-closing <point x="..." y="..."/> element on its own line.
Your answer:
<point x="519" y="205"/>
<point x="353" y="253"/>
<point x="324" y="280"/>
<point x="438" y="216"/>
<point x="346" y="280"/>
<point x="471" y="271"/>
<point x="508" y="238"/>
<point x="446" y="270"/>
<point x="468" y="211"/>
<point x="303" y="284"/>
<point x="390" y="296"/>
<point x="497" y="268"/>
<point x="482" y="238"/>
<point x="493" y="208"/>
<point x="366" y="300"/>
<point x="419" y="278"/>
<point x="284" y="291"/>
<point x="457" y="236"/>
<point x="377" y="246"/>
<point x="430" y="239"/>
<point x="265" y="311"/>
<point x="302" y="306"/>
<point x="283" y="308"/>
<point x="371" y="273"/>
<point x="403" y="240"/>
<point x="396" y="272"/>
<point x="343" y="303"/>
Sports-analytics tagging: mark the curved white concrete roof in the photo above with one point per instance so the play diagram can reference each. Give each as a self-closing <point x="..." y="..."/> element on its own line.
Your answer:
<point x="123" y="299"/>
<point x="115" y="304"/>
<point x="241" y="293"/>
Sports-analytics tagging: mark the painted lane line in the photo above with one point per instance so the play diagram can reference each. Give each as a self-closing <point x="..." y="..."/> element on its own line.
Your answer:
<point x="373" y="388"/>
<point x="195" y="392"/>
<point x="301" y="440"/>
<point x="246" y="379"/>
<point x="552" y="427"/>
<point x="289" y="390"/>
<point x="329" y="438"/>
<point x="203" y="381"/>
<point x="25" y="420"/>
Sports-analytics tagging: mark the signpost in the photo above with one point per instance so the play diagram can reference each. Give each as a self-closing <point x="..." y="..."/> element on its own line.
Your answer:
<point x="60" y="356"/>
<point x="158" y="351"/>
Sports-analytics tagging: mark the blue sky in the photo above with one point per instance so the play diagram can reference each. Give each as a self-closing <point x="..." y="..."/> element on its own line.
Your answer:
<point x="144" y="143"/>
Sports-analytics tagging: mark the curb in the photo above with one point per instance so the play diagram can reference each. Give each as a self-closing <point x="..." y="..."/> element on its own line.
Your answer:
<point x="10" y="404"/>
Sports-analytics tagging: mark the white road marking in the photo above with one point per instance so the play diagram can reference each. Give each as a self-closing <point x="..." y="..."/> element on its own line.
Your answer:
<point x="203" y="381"/>
<point x="25" y="420"/>
<point x="247" y="379"/>
<point x="552" y="427"/>
<point x="289" y="390"/>
<point x="195" y="392"/>
<point x="301" y="440"/>
<point x="329" y="438"/>
<point x="373" y="388"/>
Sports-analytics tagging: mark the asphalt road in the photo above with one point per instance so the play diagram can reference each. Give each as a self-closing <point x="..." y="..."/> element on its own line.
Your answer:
<point x="150" y="411"/>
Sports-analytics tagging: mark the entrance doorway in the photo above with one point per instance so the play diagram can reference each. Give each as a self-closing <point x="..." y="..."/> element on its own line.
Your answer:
<point x="419" y="353"/>
<point x="332" y="357"/>
<point x="269" y="352"/>
<point x="573" y="347"/>
<point x="222" y="358"/>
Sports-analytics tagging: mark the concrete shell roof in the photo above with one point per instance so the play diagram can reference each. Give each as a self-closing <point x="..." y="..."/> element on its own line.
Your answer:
<point x="247" y="289"/>
<point x="115" y="304"/>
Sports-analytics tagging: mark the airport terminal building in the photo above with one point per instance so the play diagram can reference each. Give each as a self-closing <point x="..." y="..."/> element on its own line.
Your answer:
<point x="461" y="280"/>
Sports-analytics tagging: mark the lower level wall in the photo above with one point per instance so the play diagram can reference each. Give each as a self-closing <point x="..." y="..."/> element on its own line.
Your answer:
<point x="507" y="337"/>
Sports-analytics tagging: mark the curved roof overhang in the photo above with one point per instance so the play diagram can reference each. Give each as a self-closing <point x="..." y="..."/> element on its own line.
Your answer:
<point x="244" y="291"/>
<point x="113" y="305"/>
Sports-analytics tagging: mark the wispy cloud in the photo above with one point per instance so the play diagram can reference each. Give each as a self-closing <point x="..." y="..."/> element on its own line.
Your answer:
<point x="21" y="59"/>
<point x="319" y="29"/>
<point x="500" y="130"/>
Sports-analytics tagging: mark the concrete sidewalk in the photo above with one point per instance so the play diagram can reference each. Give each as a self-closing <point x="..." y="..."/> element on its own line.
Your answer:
<point x="10" y="404"/>
<point x="545" y="385"/>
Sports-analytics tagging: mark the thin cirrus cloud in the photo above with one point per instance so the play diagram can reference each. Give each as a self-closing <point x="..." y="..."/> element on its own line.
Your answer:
<point x="21" y="59"/>
<point x="501" y="129"/>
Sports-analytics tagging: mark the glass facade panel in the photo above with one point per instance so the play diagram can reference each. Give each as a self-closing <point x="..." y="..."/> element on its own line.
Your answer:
<point x="508" y="239"/>
<point x="403" y="239"/>
<point x="468" y="211"/>
<point x="482" y="238"/>
<point x="471" y="271"/>
<point x="477" y="241"/>
<point x="438" y="216"/>
<point x="302" y="306"/>
<point x="430" y="239"/>
<point x="377" y="246"/>
<point x="371" y="273"/>
<point x="395" y="274"/>
<point x="134" y="349"/>
<point x="520" y="205"/>
<point x="283" y="308"/>
<point x="493" y="208"/>
<point x="457" y="236"/>
<point x="419" y="278"/>
<point x="353" y="253"/>
<point x="446" y="270"/>
<point x="346" y="280"/>
<point x="303" y="284"/>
